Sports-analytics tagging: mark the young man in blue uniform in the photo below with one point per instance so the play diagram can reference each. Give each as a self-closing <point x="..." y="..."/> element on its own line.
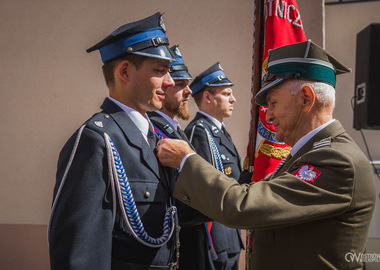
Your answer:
<point x="193" y="235"/>
<point x="108" y="166"/>
<point x="213" y="95"/>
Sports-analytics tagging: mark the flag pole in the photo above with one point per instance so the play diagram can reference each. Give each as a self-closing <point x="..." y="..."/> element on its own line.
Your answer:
<point x="257" y="56"/>
<point x="258" y="51"/>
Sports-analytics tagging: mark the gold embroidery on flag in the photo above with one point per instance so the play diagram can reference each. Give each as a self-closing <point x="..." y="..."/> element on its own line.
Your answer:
<point x="271" y="151"/>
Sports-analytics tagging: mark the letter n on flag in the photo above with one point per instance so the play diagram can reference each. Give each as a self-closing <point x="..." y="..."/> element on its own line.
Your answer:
<point x="283" y="26"/>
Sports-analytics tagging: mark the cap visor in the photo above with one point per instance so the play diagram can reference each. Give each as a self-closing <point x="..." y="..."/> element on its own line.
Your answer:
<point x="222" y="82"/>
<point x="161" y="52"/>
<point x="180" y="75"/>
<point x="261" y="96"/>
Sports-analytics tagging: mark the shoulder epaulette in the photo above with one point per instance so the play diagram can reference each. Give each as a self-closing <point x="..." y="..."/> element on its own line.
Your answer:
<point x="322" y="143"/>
<point x="199" y="123"/>
<point x="99" y="121"/>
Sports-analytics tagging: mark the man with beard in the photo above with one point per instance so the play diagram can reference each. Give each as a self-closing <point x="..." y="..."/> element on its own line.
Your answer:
<point x="175" y="102"/>
<point x="213" y="95"/>
<point x="193" y="234"/>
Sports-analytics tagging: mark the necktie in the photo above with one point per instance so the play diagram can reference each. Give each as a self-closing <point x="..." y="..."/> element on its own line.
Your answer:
<point x="280" y="165"/>
<point x="181" y="133"/>
<point x="226" y="133"/>
<point x="151" y="136"/>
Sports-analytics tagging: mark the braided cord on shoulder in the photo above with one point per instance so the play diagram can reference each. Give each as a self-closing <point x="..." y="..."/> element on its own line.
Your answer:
<point x="128" y="205"/>
<point x="215" y="152"/>
<point x="216" y="159"/>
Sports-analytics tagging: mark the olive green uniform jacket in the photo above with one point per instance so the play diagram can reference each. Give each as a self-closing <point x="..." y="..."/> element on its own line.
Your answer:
<point x="305" y="217"/>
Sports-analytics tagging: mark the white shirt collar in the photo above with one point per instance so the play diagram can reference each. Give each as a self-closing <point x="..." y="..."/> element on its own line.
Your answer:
<point x="172" y="121"/>
<point x="301" y="142"/>
<point x="214" y="120"/>
<point x="142" y="122"/>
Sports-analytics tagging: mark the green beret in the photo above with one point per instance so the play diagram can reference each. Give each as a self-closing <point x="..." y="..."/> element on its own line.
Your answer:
<point x="303" y="60"/>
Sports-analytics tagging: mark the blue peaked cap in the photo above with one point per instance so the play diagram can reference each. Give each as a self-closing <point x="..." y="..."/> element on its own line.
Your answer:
<point x="178" y="70"/>
<point x="213" y="76"/>
<point x="145" y="37"/>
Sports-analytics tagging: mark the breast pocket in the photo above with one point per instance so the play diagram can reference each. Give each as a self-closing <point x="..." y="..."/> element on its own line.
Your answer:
<point x="147" y="191"/>
<point x="228" y="164"/>
<point x="151" y="202"/>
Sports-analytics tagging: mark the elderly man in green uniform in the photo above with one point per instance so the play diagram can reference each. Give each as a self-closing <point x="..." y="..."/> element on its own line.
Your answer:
<point x="317" y="205"/>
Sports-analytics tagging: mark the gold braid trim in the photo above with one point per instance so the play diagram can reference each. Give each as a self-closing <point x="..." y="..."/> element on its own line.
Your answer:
<point x="271" y="151"/>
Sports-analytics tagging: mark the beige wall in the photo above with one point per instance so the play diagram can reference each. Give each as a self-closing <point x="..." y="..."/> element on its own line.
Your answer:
<point x="50" y="85"/>
<point x="343" y="22"/>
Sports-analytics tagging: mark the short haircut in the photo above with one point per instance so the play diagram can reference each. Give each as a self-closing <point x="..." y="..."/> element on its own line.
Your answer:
<point x="109" y="67"/>
<point x="325" y="93"/>
<point x="198" y="97"/>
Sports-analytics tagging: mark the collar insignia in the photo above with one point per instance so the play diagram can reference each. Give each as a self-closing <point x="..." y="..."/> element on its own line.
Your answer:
<point x="168" y="129"/>
<point x="214" y="129"/>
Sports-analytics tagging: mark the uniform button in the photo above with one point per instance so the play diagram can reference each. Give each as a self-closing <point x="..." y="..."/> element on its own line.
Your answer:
<point x="147" y="195"/>
<point x="106" y="116"/>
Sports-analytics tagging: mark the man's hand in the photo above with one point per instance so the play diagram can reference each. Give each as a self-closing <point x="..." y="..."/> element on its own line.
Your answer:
<point x="170" y="152"/>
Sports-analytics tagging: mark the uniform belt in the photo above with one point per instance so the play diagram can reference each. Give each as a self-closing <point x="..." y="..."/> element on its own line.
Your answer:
<point x="118" y="265"/>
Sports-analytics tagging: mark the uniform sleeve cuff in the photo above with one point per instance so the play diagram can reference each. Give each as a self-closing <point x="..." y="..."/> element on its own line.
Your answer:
<point x="184" y="160"/>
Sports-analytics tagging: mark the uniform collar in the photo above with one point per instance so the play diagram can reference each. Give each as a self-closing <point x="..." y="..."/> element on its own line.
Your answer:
<point x="172" y="121"/>
<point x="213" y="119"/>
<point x="301" y="142"/>
<point x="137" y="118"/>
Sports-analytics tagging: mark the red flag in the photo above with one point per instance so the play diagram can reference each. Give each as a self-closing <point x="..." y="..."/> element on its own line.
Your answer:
<point x="283" y="26"/>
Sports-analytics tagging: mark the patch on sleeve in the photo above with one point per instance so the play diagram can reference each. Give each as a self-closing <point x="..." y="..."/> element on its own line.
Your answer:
<point x="307" y="173"/>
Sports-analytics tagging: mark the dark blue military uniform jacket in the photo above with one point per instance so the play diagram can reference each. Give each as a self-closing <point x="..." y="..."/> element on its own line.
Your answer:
<point x="193" y="236"/>
<point x="83" y="233"/>
<point x="224" y="238"/>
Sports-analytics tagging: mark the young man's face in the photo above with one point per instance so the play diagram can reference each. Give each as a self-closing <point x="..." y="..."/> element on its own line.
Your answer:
<point x="222" y="101"/>
<point x="176" y="99"/>
<point x="149" y="83"/>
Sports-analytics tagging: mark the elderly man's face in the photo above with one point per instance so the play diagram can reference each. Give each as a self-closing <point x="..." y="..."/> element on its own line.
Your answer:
<point x="285" y="112"/>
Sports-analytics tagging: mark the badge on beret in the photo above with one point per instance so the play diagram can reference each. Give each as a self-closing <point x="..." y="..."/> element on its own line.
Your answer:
<point x="307" y="173"/>
<point x="162" y="24"/>
<point x="228" y="171"/>
<point x="177" y="52"/>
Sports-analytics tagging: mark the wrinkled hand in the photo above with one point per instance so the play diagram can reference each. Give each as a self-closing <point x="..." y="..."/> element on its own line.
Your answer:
<point x="170" y="152"/>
